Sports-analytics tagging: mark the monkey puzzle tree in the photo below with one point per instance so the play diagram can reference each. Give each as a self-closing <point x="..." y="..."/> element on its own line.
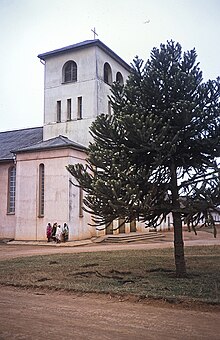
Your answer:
<point x="157" y="153"/>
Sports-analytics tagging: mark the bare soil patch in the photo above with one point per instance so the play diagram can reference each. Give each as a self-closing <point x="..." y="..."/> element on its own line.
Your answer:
<point x="37" y="314"/>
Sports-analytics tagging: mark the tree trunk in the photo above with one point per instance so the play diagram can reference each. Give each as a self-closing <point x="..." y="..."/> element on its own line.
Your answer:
<point x="179" y="246"/>
<point x="177" y="224"/>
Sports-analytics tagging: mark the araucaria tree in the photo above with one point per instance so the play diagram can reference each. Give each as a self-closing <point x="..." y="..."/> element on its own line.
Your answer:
<point x="157" y="153"/>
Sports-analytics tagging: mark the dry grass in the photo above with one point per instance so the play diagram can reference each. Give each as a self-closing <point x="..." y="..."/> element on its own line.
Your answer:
<point x="144" y="273"/>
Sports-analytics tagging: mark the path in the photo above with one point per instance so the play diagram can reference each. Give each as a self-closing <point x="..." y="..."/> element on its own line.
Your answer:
<point x="33" y="316"/>
<point x="18" y="249"/>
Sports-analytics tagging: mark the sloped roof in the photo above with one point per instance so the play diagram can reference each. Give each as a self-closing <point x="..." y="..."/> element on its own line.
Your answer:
<point x="10" y="140"/>
<point x="84" y="44"/>
<point x="53" y="143"/>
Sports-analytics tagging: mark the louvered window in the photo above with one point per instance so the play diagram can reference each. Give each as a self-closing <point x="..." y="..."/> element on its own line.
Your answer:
<point x="41" y="190"/>
<point x="70" y="72"/>
<point x="11" y="189"/>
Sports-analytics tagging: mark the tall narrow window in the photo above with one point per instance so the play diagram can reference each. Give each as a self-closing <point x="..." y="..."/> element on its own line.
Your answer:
<point x="79" y="108"/>
<point x="80" y="202"/>
<point x="58" y="111"/>
<point x="107" y="74"/>
<point x="70" y="72"/>
<point x="11" y="189"/>
<point x="119" y="78"/>
<point x="69" y="109"/>
<point x="41" y="190"/>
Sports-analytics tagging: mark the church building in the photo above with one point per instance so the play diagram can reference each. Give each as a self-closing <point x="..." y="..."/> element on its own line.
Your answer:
<point x="35" y="186"/>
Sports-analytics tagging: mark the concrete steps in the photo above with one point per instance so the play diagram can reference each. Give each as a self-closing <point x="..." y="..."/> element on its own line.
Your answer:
<point x="131" y="237"/>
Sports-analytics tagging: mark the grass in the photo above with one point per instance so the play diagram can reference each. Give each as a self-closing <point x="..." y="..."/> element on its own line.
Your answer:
<point x="143" y="273"/>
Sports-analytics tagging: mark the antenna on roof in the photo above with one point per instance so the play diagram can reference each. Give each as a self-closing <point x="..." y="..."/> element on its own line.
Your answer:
<point x="94" y="31"/>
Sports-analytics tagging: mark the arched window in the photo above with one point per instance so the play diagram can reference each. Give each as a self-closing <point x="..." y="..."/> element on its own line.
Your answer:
<point x="41" y="190"/>
<point x="119" y="78"/>
<point x="107" y="74"/>
<point x="70" y="72"/>
<point x="11" y="189"/>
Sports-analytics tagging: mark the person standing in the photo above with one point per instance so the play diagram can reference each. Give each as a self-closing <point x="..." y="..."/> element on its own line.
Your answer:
<point x="58" y="234"/>
<point x="54" y="230"/>
<point x="65" y="232"/>
<point x="49" y="232"/>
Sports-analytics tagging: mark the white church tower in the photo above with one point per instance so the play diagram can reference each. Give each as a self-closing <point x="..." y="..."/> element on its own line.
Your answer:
<point x="77" y="85"/>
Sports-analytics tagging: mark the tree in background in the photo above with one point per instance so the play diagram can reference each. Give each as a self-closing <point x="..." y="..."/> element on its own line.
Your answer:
<point x="157" y="153"/>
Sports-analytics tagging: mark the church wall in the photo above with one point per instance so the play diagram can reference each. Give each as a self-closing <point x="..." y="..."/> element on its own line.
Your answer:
<point x="7" y="221"/>
<point x="79" y="225"/>
<point x="56" y="194"/>
<point x="75" y="130"/>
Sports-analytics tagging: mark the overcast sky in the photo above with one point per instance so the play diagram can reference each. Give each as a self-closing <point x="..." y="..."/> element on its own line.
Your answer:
<point x="128" y="27"/>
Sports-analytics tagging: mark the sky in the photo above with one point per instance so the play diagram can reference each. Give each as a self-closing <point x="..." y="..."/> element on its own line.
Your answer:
<point x="130" y="28"/>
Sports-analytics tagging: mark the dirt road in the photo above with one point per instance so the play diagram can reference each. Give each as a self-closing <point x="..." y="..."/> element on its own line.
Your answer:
<point x="38" y="315"/>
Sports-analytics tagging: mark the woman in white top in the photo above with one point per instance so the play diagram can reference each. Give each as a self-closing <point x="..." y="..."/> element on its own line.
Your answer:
<point x="58" y="234"/>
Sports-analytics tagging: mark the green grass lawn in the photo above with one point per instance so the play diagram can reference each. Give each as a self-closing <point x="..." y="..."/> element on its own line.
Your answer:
<point x="143" y="273"/>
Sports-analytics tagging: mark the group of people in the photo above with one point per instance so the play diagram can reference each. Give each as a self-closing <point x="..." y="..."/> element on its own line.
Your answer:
<point x="57" y="233"/>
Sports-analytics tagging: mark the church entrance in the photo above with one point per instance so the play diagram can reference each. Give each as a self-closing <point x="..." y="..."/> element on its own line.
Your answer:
<point x="109" y="229"/>
<point x="121" y="225"/>
<point x="133" y="226"/>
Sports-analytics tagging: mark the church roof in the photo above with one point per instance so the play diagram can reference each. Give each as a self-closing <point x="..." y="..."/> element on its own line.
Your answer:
<point x="31" y="139"/>
<point x="53" y="143"/>
<point x="84" y="44"/>
<point x="10" y="140"/>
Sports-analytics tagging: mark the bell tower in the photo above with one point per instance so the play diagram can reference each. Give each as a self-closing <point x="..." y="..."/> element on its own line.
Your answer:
<point x="76" y="87"/>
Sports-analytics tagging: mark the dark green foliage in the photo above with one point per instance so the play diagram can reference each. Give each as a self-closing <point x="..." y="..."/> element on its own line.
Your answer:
<point x="163" y="116"/>
<point x="157" y="154"/>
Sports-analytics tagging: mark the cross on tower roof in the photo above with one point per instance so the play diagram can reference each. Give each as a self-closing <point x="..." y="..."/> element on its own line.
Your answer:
<point x="94" y="31"/>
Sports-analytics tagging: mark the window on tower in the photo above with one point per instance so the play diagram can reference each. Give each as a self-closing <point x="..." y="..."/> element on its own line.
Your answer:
<point x="58" y="111"/>
<point x="69" y="72"/>
<point x="69" y="109"/>
<point x="79" y="108"/>
<point x="107" y="74"/>
<point x="119" y="78"/>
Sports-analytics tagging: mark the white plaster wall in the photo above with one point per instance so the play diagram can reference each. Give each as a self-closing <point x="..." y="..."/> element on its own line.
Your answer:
<point x="75" y="130"/>
<point x="80" y="228"/>
<point x="57" y="198"/>
<point x="26" y="199"/>
<point x="7" y="221"/>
